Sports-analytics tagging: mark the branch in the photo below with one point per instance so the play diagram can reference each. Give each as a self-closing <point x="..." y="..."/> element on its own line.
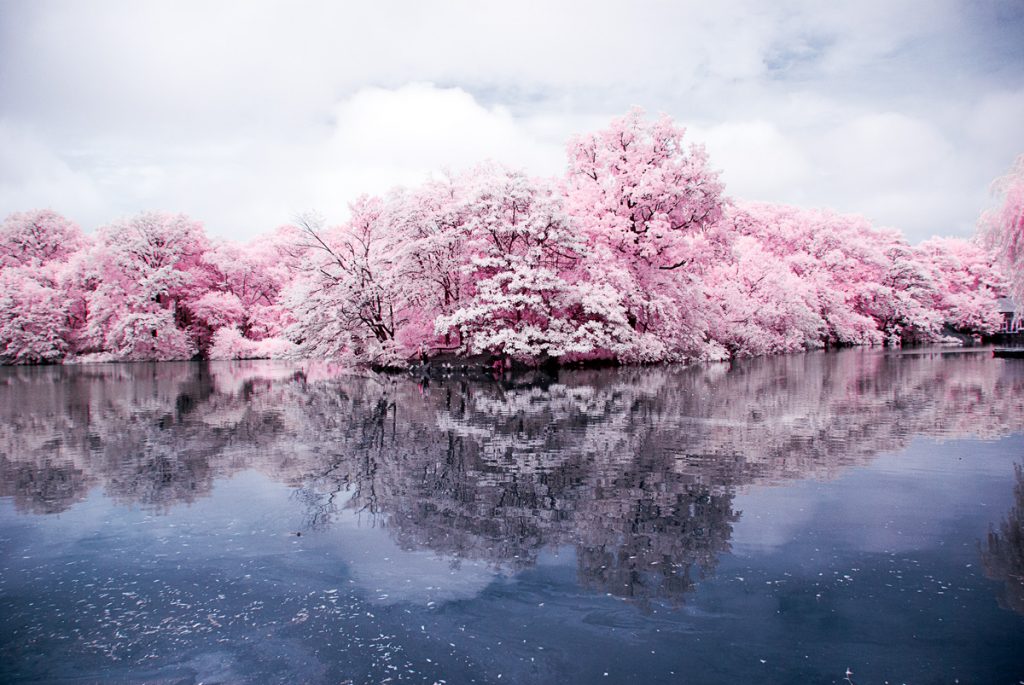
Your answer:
<point x="675" y="266"/>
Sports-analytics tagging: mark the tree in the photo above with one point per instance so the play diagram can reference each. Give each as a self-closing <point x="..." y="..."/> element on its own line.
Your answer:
<point x="645" y="194"/>
<point x="142" y="275"/>
<point x="33" y="238"/>
<point x="899" y="300"/>
<point x="763" y="306"/>
<point x="229" y="343"/>
<point x="526" y="297"/>
<point x="217" y="308"/>
<point x="36" y="312"/>
<point x="429" y="228"/>
<point x="866" y="284"/>
<point x="634" y="255"/>
<point x="249" y="280"/>
<point x="966" y="284"/>
<point x="652" y="207"/>
<point x="349" y="299"/>
<point x="1002" y="228"/>
<point x="147" y="336"/>
<point x="34" y="323"/>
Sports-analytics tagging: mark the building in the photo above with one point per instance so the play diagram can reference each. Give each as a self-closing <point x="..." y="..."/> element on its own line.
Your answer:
<point x="1013" y="321"/>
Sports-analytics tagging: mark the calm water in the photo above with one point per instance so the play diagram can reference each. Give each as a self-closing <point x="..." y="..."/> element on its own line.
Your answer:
<point x="776" y="521"/>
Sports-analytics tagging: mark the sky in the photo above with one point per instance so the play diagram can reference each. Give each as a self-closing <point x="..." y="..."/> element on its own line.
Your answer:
<point x="247" y="114"/>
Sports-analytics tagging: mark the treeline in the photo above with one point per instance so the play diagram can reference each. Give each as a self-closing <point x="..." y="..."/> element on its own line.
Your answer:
<point x="634" y="256"/>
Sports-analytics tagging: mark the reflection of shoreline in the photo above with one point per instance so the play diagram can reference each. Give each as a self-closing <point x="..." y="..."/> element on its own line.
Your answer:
<point x="1003" y="554"/>
<point x="635" y="468"/>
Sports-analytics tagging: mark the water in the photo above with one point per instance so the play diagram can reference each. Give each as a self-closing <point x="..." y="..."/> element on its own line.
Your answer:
<point x="779" y="520"/>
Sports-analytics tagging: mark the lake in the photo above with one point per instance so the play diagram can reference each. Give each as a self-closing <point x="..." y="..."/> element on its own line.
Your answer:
<point x="776" y="520"/>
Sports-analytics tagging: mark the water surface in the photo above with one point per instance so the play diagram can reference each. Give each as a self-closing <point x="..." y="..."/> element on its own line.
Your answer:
<point x="776" y="520"/>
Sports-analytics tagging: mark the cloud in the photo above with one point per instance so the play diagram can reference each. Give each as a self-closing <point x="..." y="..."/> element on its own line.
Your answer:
<point x="996" y="122"/>
<point x="245" y="115"/>
<point x="757" y="160"/>
<point x="880" y="149"/>
<point x="31" y="173"/>
<point x="372" y="141"/>
<point x="385" y="137"/>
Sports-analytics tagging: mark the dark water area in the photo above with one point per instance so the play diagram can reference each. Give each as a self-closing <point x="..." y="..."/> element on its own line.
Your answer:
<point x="777" y="520"/>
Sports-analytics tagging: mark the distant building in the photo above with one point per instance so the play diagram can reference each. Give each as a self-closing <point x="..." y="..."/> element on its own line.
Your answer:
<point x="1013" y="317"/>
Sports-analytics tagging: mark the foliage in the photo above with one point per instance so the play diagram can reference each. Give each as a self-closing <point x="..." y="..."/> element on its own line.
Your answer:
<point x="33" y="318"/>
<point x="30" y="239"/>
<point x="1003" y="228"/>
<point x="635" y="255"/>
<point x="229" y="343"/>
<point x="527" y="298"/>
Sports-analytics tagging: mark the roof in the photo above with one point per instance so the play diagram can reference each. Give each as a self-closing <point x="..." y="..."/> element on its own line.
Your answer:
<point x="1006" y="305"/>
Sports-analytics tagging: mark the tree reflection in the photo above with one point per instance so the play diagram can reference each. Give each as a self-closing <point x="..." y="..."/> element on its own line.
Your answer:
<point x="635" y="469"/>
<point x="654" y="551"/>
<point x="1003" y="555"/>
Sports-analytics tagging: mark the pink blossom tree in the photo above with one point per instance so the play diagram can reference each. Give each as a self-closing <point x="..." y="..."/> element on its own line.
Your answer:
<point x="763" y="306"/>
<point x="429" y="228"/>
<point x="644" y="193"/>
<point x="217" y="308"/>
<point x="229" y="343"/>
<point x="245" y="286"/>
<point x="349" y="299"/>
<point x="966" y="284"/>
<point x="1002" y="228"/>
<point x="141" y="277"/>
<point x="868" y="285"/>
<point x="899" y="299"/>
<point x="527" y="299"/>
<point x="37" y="237"/>
<point x="34" y="317"/>
<point x="652" y="208"/>
<point x="37" y="316"/>
<point x="635" y="256"/>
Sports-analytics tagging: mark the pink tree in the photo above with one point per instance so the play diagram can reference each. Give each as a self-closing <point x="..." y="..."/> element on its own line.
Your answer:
<point x="139" y="280"/>
<point x="429" y="227"/>
<point x="217" y="308"/>
<point x="868" y="284"/>
<point x="762" y="305"/>
<point x="651" y="207"/>
<point x="1002" y="229"/>
<point x="832" y="256"/>
<point x="899" y="300"/>
<point x="229" y="343"/>
<point x="966" y="284"/>
<point x="34" y="317"/>
<point x="527" y="297"/>
<point x="644" y="193"/>
<point x="350" y="298"/>
<point x="37" y="315"/>
<point x="37" y="237"/>
<point x="245" y="286"/>
<point x="636" y="257"/>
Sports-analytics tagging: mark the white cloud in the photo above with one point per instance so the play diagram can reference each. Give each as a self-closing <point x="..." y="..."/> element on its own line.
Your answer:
<point x="758" y="162"/>
<point x="373" y="140"/>
<point x="31" y="174"/>
<point x="246" y="114"/>
<point x="386" y="137"/>
<point x="880" y="149"/>
<point x="997" y="123"/>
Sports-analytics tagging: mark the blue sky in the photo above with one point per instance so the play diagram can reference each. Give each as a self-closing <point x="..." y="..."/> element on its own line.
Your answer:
<point x="246" y="114"/>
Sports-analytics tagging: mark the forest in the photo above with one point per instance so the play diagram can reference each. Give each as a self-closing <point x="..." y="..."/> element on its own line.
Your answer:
<point x="635" y="255"/>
